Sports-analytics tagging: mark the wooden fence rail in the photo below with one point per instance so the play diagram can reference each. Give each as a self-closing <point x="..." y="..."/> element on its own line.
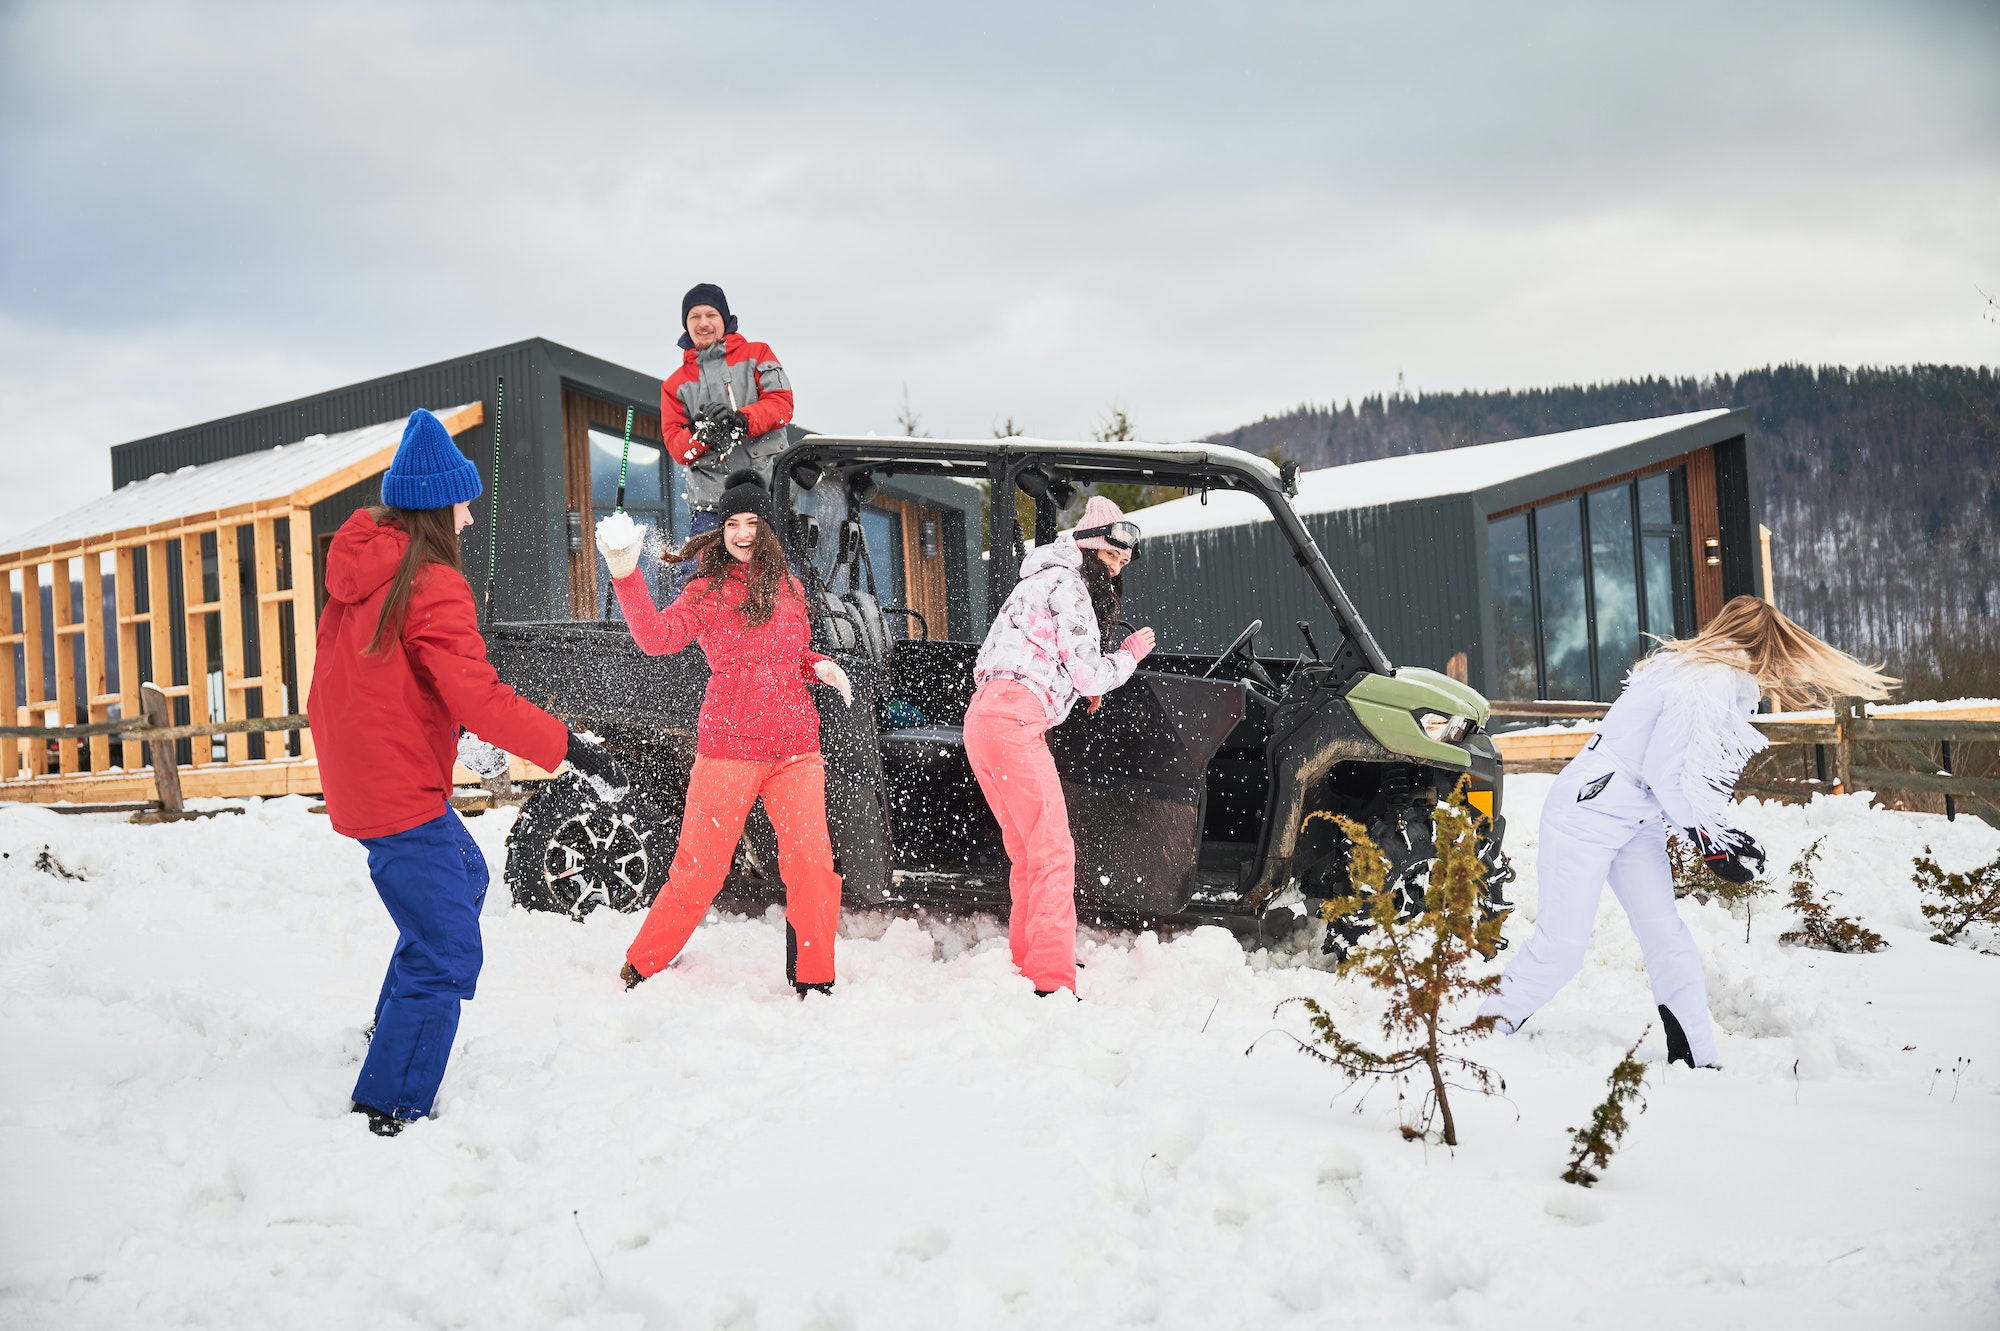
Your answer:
<point x="1906" y="737"/>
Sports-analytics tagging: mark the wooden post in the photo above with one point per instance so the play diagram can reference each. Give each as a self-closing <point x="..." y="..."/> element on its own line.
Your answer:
<point x="126" y="602"/>
<point x="60" y="602"/>
<point x="1950" y="805"/>
<point x="194" y="594"/>
<point x="305" y="617"/>
<point x="166" y="772"/>
<point x="10" y="637"/>
<point x="235" y="672"/>
<point x="159" y="618"/>
<point x="31" y="654"/>
<point x="96" y="703"/>
<point x="270" y="632"/>
<point x="1848" y="713"/>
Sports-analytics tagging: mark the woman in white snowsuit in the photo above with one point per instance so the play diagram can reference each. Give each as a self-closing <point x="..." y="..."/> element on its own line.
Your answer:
<point x="1667" y="754"/>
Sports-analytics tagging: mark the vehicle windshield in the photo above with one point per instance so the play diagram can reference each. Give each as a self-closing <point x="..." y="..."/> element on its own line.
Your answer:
<point x="913" y="524"/>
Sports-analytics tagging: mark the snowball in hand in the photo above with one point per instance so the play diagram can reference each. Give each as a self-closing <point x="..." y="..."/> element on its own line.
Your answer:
<point x="619" y="532"/>
<point x="620" y="538"/>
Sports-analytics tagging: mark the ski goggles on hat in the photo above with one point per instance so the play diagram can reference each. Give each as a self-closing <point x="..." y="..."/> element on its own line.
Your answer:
<point x="1124" y="535"/>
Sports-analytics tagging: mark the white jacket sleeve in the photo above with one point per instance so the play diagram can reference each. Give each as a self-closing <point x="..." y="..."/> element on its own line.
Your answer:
<point x="1699" y="746"/>
<point x="1091" y="671"/>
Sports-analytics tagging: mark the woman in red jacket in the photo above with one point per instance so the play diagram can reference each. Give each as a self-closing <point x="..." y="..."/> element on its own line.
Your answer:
<point x="758" y="736"/>
<point x="401" y="668"/>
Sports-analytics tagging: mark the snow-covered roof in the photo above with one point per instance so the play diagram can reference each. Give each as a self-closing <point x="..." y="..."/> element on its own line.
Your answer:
<point x="251" y="478"/>
<point x="1451" y="471"/>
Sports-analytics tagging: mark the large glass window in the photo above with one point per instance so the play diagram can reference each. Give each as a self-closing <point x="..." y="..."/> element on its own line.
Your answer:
<point x="645" y="499"/>
<point x="1578" y="583"/>
<point x="1663" y="541"/>
<point x="882" y="532"/>
<point x="1559" y="597"/>
<point x="1614" y="584"/>
<point x="1514" y="655"/>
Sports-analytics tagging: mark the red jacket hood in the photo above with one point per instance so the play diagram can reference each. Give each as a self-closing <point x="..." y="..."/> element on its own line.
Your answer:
<point x="363" y="558"/>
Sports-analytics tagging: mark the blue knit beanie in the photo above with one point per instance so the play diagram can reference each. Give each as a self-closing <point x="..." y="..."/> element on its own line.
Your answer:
<point x="429" y="471"/>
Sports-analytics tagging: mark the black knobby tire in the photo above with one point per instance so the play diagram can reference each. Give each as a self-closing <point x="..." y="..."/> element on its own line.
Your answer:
<point x="1411" y="853"/>
<point x="571" y="851"/>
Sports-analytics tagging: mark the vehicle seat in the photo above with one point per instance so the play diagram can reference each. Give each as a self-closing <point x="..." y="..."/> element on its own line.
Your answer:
<point x="867" y="614"/>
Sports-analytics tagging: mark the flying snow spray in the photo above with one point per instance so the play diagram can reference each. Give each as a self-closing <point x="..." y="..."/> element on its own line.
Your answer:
<point x="493" y="506"/>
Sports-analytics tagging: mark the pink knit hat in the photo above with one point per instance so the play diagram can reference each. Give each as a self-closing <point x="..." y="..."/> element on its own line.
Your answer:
<point x="1099" y="512"/>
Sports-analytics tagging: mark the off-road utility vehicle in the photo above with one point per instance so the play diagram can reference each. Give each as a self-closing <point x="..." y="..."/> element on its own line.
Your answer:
<point x="1189" y="790"/>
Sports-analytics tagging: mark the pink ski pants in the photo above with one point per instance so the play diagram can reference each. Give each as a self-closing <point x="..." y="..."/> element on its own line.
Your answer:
<point x="1004" y="740"/>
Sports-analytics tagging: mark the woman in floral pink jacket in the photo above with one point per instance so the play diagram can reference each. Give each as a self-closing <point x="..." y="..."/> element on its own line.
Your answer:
<point x="1045" y="650"/>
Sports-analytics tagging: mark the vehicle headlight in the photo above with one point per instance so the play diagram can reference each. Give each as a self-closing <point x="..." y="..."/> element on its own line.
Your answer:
<point x="1444" y="729"/>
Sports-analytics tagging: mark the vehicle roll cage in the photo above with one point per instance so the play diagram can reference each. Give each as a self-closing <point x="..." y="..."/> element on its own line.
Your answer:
<point x="1048" y="471"/>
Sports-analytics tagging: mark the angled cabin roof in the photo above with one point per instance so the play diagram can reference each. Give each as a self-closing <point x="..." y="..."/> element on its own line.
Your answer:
<point x="290" y="475"/>
<point x="1513" y="471"/>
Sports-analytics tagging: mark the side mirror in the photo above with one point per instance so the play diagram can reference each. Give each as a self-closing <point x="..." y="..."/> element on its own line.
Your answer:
<point x="1288" y="477"/>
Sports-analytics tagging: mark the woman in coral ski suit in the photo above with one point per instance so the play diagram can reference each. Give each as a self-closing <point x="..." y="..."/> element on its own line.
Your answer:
<point x="401" y="669"/>
<point x="1668" y="753"/>
<point x="758" y="736"/>
<point x="1045" y="650"/>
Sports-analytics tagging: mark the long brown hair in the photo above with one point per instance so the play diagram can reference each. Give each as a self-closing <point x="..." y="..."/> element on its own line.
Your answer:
<point x="1792" y="667"/>
<point x="1107" y="596"/>
<point x="433" y="540"/>
<point x="768" y="570"/>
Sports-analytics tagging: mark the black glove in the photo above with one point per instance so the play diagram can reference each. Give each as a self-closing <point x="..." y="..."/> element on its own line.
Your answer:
<point x="596" y="766"/>
<point x="1728" y="860"/>
<point x="719" y="427"/>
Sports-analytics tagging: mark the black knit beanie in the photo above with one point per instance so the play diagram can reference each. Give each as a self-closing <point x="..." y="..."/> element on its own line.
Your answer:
<point x="747" y="497"/>
<point x="707" y="293"/>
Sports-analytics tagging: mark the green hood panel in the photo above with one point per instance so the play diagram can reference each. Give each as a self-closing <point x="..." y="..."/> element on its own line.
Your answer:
<point x="1387" y="706"/>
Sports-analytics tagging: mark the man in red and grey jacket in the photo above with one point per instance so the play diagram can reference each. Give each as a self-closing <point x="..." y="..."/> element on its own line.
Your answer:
<point x="725" y="410"/>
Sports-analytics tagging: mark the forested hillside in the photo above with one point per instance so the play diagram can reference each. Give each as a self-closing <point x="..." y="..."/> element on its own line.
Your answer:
<point x="1881" y="486"/>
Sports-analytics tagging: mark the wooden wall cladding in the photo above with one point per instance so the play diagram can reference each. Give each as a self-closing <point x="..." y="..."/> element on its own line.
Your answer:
<point x="1704" y="525"/>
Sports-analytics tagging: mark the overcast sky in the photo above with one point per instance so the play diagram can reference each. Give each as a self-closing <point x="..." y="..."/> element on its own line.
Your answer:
<point x="1201" y="213"/>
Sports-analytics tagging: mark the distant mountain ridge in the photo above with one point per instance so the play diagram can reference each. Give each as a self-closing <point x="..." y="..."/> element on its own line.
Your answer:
<point x="1881" y="486"/>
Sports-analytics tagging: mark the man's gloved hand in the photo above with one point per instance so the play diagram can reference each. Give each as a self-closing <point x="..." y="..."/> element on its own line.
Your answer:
<point x="1729" y="860"/>
<point x="719" y="428"/>
<point x="479" y="756"/>
<point x="599" y="768"/>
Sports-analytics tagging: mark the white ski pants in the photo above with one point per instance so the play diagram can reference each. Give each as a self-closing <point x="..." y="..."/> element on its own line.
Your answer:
<point x="1615" y="834"/>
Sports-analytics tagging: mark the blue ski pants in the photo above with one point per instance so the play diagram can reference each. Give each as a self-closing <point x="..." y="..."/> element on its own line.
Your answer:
<point x="433" y="880"/>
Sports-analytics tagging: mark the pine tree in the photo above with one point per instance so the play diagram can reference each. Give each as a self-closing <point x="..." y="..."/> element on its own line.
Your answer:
<point x="1595" y="1142"/>
<point x="1955" y="900"/>
<point x="1818" y="926"/>
<point x="1423" y="964"/>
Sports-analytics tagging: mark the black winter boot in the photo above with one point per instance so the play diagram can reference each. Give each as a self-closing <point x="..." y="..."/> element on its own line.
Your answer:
<point x="379" y="1123"/>
<point x="804" y="989"/>
<point x="630" y="974"/>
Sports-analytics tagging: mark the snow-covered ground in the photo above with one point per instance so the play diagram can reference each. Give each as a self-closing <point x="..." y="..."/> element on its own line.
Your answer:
<point x="933" y="1146"/>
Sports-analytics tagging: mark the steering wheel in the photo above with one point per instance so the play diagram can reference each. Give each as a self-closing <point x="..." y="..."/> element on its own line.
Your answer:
<point x="1252" y="668"/>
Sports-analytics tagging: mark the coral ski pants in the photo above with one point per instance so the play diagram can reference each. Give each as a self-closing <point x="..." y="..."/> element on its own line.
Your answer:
<point x="1005" y="731"/>
<point x="433" y="880"/>
<point x="719" y="797"/>
<point x="1600" y="824"/>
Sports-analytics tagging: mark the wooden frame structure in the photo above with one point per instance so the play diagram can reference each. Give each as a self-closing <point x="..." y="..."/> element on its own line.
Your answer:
<point x="257" y="609"/>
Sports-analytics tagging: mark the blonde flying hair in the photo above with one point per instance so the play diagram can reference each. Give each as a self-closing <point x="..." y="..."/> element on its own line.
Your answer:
<point x="1793" y="669"/>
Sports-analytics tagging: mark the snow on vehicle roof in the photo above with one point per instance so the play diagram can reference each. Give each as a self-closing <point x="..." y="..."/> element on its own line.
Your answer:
<point x="1175" y="454"/>
<point x="268" y="474"/>
<point x="1413" y="476"/>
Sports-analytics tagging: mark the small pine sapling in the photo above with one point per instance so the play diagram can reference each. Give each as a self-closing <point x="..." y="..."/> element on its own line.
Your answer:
<point x="1595" y="1142"/>
<point x="1818" y="926"/>
<point x="1953" y="901"/>
<point x="1422" y="963"/>
<point x="49" y="864"/>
